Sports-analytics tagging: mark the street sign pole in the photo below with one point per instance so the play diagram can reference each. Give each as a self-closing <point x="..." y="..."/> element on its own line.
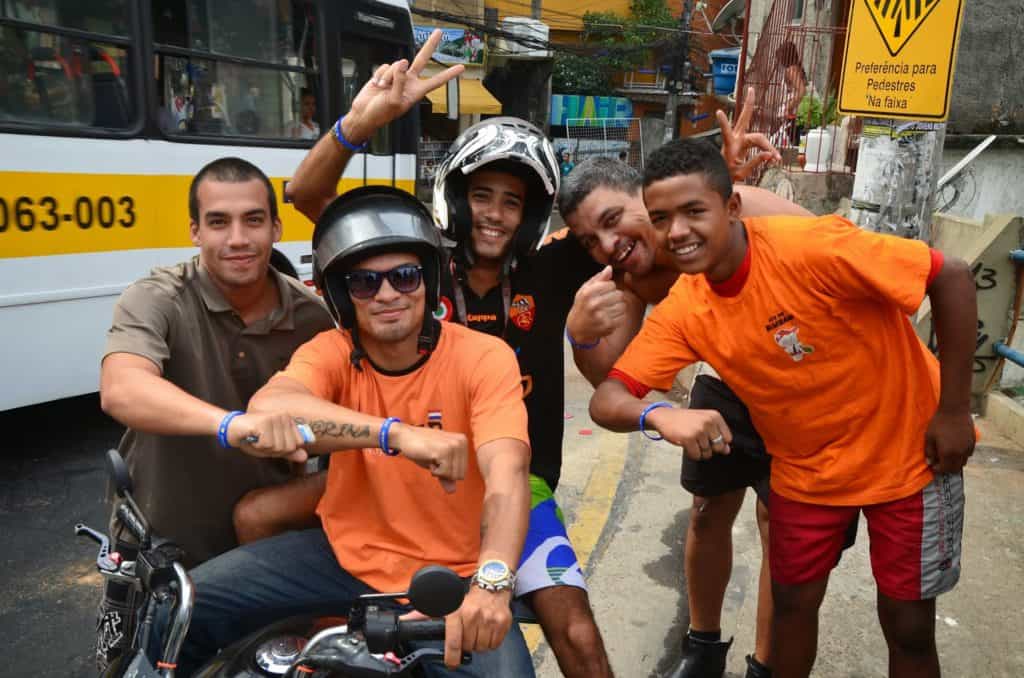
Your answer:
<point x="898" y="76"/>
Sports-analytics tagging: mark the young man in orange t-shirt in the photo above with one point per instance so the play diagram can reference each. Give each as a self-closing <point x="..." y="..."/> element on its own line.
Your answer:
<point x="806" y="319"/>
<point x="400" y="401"/>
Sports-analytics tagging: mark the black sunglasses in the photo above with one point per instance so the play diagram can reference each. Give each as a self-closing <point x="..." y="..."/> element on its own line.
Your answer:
<point x="363" y="284"/>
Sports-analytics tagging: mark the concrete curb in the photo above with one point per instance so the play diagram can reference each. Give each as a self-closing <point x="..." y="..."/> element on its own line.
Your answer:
<point x="1005" y="414"/>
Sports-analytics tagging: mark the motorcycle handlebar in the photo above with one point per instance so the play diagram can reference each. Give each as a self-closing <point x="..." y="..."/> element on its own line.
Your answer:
<point x="421" y="629"/>
<point x="132" y="523"/>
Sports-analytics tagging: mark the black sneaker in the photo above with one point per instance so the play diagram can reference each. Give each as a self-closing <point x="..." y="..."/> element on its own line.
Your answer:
<point x="756" y="669"/>
<point x="702" y="659"/>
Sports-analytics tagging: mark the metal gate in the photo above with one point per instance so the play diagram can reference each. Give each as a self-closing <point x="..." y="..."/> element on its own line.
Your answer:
<point x="620" y="138"/>
<point x="795" y="69"/>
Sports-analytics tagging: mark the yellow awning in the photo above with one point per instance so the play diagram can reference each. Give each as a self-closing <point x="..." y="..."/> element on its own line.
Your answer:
<point x="473" y="98"/>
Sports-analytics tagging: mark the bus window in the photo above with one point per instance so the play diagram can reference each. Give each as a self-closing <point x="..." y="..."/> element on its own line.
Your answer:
<point x="249" y="68"/>
<point x="47" y="78"/>
<point x="110" y="17"/>
<point x="264" y="30"/>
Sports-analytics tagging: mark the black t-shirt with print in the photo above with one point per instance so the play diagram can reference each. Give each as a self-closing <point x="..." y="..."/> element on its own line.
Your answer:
<point x="542" y="291"/>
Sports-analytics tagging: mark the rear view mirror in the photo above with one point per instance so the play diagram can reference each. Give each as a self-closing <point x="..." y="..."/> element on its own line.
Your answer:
<point x="117" y="469"/>
<point x="436" y="591"/>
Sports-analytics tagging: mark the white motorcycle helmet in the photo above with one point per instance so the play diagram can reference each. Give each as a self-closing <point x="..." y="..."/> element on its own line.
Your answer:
<point x="512" y="145"/>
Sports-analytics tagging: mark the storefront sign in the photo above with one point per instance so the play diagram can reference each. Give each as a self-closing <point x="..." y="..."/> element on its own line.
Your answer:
<point x="458" y="45"/>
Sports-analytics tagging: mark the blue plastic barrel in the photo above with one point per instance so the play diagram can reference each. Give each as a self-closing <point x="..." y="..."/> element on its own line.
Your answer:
<point x="724" y="63"/>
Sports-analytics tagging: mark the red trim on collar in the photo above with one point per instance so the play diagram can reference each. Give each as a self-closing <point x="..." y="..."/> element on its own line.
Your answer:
<point x="732" y="285"/>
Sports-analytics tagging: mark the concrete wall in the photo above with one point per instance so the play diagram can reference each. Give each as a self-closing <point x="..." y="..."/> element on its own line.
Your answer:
<point x="985" y="245"/>
<point x="991" y="184"/>
<point x="988" y="89"/>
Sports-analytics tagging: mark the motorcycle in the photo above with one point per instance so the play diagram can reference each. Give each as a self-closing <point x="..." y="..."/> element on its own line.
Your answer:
<point x="372" y="642"/>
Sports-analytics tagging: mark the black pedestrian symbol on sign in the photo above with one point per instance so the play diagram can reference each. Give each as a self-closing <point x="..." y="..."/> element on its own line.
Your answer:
<point x="898" y="20"/>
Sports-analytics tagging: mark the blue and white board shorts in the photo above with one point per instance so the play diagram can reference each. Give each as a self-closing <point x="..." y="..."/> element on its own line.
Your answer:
<point x="548" y="558"/>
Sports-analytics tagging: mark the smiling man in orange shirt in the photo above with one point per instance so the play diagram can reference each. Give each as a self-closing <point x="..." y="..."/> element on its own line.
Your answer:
<point x="806" y="319"/>
<point x="396" y="397"/>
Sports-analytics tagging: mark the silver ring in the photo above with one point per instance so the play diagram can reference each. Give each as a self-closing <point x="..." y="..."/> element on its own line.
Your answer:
<point x="717" y="440"/>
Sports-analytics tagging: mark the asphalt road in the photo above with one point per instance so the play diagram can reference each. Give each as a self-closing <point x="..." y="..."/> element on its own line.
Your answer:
<point x="627" y="518"/>
<point x="51" y="477"/>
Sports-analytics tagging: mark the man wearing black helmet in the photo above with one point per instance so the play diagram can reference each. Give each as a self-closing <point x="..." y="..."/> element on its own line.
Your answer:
<point x="493" y="198"/>
<point x="396" y="397"/>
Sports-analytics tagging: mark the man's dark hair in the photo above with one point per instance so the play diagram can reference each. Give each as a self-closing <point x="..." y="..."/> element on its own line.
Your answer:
<point x="594" y="173"/>
<point x="233" y="171"/>
<point x="689" y="156"/>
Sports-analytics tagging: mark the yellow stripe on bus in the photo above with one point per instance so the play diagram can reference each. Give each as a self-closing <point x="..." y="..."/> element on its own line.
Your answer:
<point x="55" y="213"/>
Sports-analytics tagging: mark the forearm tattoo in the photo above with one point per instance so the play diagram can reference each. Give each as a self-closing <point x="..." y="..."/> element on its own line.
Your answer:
<point x="335" y="429"/>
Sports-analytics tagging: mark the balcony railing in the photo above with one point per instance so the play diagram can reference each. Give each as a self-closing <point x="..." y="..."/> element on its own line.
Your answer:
<point x="643" y="80"/>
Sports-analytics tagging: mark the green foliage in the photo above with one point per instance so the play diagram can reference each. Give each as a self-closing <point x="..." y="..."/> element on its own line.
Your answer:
<point x="573" y="74"/>
<point x="623" y="38"/>
<point x="810" y="113"/>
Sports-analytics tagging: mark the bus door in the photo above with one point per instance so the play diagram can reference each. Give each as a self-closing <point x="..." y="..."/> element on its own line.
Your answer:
<point x="372" y="34"/>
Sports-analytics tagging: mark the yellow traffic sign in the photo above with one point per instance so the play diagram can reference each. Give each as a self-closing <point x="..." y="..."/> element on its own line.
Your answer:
<point x="900" y="57"/>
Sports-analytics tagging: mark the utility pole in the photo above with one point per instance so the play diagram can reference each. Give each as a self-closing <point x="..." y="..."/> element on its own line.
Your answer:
<point x="904" y="103"/>
<point x="679" y="76"/>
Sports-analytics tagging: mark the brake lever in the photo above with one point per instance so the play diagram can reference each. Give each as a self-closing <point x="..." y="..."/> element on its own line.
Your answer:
<point x="108" y="567"/>
<point x="103" y="559"/>
<point x="429" y="654"/>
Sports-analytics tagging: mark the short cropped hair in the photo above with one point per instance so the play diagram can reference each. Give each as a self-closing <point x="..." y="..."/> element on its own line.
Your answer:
<point x="689" y="156"/>
<point x="594" y="173"/>
<point x="232" y="171"/>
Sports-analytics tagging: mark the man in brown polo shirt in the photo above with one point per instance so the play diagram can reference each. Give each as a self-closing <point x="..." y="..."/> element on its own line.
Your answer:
<point x="190" y="344"/>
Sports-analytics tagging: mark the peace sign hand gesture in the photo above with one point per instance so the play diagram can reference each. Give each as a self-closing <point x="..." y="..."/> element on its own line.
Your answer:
<point x="737" y="142"/>
<point x="393" y="90"/>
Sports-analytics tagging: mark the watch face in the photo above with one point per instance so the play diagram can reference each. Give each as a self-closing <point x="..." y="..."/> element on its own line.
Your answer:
<point x="493" y="571"/>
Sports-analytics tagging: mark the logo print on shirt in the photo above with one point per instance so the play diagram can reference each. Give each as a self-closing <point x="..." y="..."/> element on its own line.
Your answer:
<point x="444" y="309"/>
<point x="434" y="419"/>
<point x="789" y="342"/>
<point x="523" y="311"/>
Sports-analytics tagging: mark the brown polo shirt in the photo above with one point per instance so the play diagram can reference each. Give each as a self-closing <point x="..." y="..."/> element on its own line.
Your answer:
<point x="188" y="485"/>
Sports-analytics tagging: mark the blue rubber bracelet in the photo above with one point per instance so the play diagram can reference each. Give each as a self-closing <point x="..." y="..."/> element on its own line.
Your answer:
<point x="643" y="417"/>
<point x="382" y="437"/>
<point x="222" y="430"/>
<point x="580" y="346"/>
<point x="345" y="142"/>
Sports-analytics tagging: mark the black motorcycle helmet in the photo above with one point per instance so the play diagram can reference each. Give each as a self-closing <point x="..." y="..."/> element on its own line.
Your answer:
<point x="366" y="222"/>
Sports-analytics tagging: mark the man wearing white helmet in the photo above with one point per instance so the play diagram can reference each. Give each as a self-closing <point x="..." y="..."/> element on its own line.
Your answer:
<point x="493" y="198"/>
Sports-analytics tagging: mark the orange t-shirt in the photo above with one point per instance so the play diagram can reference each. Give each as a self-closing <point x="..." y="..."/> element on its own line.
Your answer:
<point x="818" y="345"/>
<point x="386" y="517"/>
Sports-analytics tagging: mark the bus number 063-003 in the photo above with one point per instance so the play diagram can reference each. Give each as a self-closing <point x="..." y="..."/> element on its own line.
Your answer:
<point x="47" y="213"/>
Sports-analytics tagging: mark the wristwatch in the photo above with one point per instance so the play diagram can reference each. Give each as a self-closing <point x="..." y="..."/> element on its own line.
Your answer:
<point x="494" y="576"/>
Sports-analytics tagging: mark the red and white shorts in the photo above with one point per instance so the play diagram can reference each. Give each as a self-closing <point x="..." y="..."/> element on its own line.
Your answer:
<point x="915" y="541"/>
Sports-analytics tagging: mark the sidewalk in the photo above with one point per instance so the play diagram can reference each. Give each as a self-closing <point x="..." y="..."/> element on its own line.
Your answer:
<point x="636" y="580"/>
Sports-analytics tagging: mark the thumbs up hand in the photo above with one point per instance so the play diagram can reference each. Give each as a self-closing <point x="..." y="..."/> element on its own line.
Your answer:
<point x="598" y="308"/>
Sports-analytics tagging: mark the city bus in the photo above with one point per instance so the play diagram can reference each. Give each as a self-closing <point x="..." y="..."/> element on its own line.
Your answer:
<point x="109" y="107"/>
